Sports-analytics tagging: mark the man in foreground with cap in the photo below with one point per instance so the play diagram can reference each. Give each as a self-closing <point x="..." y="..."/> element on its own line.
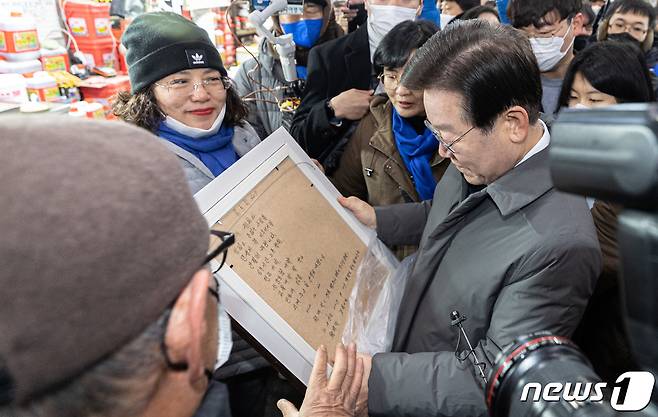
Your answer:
<point x="107" y="306"/>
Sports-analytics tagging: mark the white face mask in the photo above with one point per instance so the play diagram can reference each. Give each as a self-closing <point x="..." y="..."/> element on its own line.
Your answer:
<point x="445" y="19"/>
<point x="580" y="106"/>
<point x="596" y="9"/>
<point x="225" y="337"/>
<point x="381" y="19"/>
<point x="194" y="132"/>
<point x="548" y="51"/>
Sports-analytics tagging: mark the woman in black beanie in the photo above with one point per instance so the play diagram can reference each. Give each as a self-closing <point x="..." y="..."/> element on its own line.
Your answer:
<point x="180" y="91"/>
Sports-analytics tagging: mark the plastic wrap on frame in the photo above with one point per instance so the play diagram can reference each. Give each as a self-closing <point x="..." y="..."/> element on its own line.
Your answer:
<point x="375" y="299"/>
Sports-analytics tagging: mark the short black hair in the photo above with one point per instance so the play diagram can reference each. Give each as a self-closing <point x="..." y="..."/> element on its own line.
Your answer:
<point x="491" y="66"/>
<point x="467" y="4"/>
<point x="614" y="68"/>
<point x="524" y="13"/>
<point x="395" y="48"/>
<point x="588" y="12"/>
<point x="475" y="12"/>
<point x="639" y="7"/>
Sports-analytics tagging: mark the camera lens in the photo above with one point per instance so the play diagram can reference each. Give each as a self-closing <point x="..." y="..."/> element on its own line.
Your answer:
<point x="529" y="379"/>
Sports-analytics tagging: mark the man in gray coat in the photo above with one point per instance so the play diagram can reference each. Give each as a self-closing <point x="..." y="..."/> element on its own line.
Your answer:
<point x="498" y="243"/>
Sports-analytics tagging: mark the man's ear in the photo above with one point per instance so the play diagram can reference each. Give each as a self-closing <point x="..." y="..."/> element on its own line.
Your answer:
<point x="187" y="326"/>
<point x="578" y="23"/>
<point x="518" y="124"/>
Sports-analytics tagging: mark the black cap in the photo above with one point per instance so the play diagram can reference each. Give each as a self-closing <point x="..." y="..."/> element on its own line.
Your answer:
<point x="162" y="43"/>
<point x="98" y="238"/>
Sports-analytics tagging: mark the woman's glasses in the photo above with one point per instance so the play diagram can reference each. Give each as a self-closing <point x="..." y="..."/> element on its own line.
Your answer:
<point x="187" y="86"/>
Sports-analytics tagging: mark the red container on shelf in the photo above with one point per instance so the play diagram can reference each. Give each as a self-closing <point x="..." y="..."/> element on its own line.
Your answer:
<point x="55" y="60"/>
<point x="102" y="90"/>
<point x="18" y="37"/>
<point x="43" y="87"/>
<point x="88" y="19"/>
<point x="100" y="53"/>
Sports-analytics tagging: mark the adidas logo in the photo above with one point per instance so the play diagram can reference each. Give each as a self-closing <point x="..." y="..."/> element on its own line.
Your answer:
<point x="196" y="57"/>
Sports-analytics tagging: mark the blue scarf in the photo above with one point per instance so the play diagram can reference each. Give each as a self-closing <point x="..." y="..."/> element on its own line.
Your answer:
<point x="416" y="152"/>
<point x="301" y="71"/>
<point x="215" y="151"/>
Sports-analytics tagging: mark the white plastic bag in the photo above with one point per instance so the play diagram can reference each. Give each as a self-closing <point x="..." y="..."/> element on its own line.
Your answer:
<point x="375" y="299"/>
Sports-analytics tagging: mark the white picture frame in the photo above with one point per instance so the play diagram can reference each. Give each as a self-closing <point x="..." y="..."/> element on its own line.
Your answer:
<point x="241" y="302"/>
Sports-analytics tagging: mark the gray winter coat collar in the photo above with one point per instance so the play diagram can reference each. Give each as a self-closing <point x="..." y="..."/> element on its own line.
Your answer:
<point x="513" y="191"/>
<point x="522" y="185"/>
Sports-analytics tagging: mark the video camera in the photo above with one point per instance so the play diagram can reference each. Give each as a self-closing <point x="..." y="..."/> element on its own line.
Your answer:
<point x="609" y="154"/>
<point x="284" y="45"/>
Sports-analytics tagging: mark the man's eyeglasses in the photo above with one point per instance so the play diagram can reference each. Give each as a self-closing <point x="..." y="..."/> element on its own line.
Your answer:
<point x="219" y="244"/>
<point x="557" y="32"/>
<point x="439" y="137"/>
<point x="185" y="86"/>
<point x="620" y="26"/>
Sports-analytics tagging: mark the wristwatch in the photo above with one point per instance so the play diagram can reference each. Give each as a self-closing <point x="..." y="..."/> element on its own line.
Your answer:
<point x="331" y="114"/>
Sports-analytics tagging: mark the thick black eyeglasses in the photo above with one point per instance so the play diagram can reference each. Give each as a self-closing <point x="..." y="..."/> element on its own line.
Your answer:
<point x="226" y="240"/>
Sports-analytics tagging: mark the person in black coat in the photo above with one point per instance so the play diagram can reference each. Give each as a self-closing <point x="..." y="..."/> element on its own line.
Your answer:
<point x="341" y="82"/>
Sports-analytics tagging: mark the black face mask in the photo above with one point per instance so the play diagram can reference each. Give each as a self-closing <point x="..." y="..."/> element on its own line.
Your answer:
<point x="624" y="37"/>
<point x="580" y="42"/>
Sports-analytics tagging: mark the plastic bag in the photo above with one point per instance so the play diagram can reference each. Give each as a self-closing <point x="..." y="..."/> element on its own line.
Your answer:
<point x="375" y="299"/>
